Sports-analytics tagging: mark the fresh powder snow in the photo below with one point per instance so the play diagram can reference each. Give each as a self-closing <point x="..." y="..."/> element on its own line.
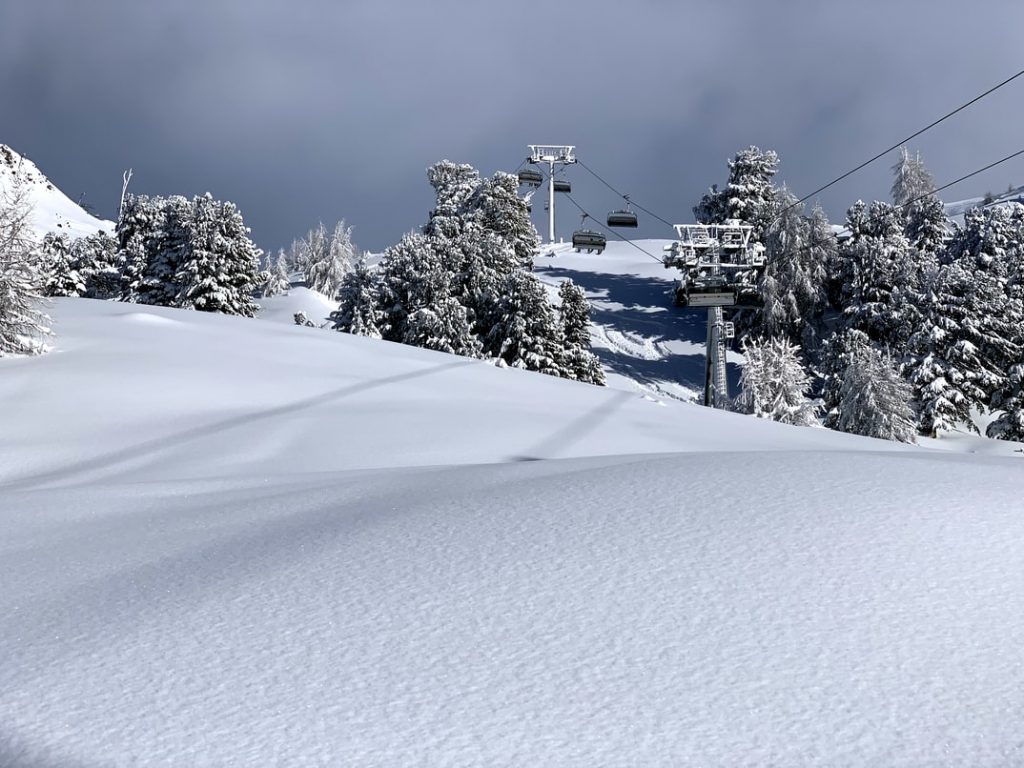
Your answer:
<point x="228" y="542"/>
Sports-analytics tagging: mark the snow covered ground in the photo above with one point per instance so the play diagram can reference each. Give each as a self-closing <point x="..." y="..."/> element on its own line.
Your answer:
<point x="52" y="210"/>
<point x="232" y="542"/>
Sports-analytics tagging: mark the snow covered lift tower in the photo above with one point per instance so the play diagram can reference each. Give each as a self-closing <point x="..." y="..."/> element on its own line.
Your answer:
<point x="552" y="155"/>
<point x="720" y="266"/>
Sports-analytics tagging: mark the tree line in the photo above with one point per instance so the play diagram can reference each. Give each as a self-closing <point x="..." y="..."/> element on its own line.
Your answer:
<point x="899" y="322"/>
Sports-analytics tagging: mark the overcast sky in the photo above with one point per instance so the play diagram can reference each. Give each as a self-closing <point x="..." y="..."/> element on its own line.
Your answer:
<point x="315" y="110"/>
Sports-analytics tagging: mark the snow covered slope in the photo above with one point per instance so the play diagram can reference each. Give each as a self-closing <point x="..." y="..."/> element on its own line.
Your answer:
<point x="644" y="342"/>
<point x="230" y="542"/>
<point x="52" y="210"/>
<point x="956" y="210"/>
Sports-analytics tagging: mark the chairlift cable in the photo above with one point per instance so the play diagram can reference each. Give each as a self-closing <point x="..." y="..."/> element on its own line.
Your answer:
<point x="609" y="229"/>
<point x="900" y="207"/>
<point x="625" y="197"/>
<point x="900" y="143"/>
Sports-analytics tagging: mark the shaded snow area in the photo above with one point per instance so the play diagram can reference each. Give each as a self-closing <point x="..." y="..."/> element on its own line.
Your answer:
<point x="643" y="341"/>
<point x="52" y="210"/>
<point x="233" y="542"/>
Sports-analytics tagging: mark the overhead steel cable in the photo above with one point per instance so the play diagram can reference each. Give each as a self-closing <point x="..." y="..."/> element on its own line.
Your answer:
<point x="624" y="196"/>
<point x="903" y="141"/>
<point x="612" y="231"/>
<point x="900" y="207"/>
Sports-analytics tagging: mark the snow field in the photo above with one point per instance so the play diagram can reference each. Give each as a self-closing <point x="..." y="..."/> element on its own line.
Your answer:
<point x="245" y="542"/>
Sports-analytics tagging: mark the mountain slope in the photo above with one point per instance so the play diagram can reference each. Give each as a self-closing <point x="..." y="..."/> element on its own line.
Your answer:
<point x="52" y="210"/>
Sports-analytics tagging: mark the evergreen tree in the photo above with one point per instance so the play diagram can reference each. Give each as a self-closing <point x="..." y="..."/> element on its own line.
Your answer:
<point x="166" y="250"/>
<point x="463" y="285"/>
<point x="358" y="309"/>
<point x="748" y="195"/>
<point x="442" y="326"/>
<point x="793" y="286"/>
<point x="329" y="258"/>
<point x="874" y="399"/>
<point x="455" y="185"/>
<point x="298" y="258"/>
<point x="912" y="179"/>
<point x="219" y="266"/>
<point x="63" y="276"/>
<point x="410" y="277"/>
<point x="276" y="281"/>
<point x="98" y="261"/>
<point x="503" y="212"/>
<point x="193" y="254"/>
<point x="1009" y="399"/>
<point x="876" y="266"/>
<point x="926" y="226"/>
<point x="838" y="352"/>
<point x="991" y="241"/>
<point x="527" y="333"/>
<point x="22" y="325"/>
<point x="481" y="262"/>
<point x="574" y="312"/>
<point x="139" y="232"/>
<point x="924" y="216"/>
<point x="965" y="338"/>
<point x="774" y="384"/>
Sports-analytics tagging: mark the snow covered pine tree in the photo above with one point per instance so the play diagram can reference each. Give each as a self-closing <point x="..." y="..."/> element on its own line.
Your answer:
<point x="774" y="384"/>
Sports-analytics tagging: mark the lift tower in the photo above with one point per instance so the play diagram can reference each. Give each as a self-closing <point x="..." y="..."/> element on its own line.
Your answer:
<point x="720" y="265"/>
<point x="552" y="155"/>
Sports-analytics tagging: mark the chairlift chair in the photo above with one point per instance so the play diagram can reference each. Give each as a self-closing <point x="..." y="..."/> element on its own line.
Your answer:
<point x="588" y="240"/>
<point x="561" y="185"/>
<point x="531" y="177"/>
<point x="624" y="218"/>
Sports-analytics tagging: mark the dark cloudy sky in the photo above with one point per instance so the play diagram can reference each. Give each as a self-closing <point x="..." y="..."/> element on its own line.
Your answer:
<point x="311" y="110"/>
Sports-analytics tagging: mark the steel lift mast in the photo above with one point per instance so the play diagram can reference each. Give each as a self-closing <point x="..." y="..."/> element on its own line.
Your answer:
<point x="715" y="259"/>
<point x="552" y="154"/>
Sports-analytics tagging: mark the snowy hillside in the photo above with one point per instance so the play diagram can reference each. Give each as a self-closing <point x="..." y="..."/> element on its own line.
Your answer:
<point x="644" y="343"/>
<point x="52" y="210"/>
<point x="957" y="209"/>
<point x="242" y="542"/>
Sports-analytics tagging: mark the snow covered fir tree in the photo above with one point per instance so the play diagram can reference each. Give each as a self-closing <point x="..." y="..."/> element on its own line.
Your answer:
<point x="907" y="316"/>
<point x="898" y="308"/>
<point x="464" y="284"/>
<point x="191" y="254"/>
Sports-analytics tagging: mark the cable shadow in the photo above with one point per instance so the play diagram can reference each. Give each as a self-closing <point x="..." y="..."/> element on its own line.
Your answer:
<point x="150" y="447"/>
<point x="575" y="429"/>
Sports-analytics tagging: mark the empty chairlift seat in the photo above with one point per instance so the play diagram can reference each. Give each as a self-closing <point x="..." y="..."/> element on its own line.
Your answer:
<point x="621" y="219"/>
<point x="562" y="186"/>
<point x="588" y="240"/>
<point x="530" y="177"/>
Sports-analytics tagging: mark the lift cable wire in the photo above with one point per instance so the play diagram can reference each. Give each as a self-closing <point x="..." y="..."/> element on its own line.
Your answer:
<point x="612" y="231"/>
<point x="625" y="197"/>
<point x="900" y="143"/>
<point x="918" y="199"/>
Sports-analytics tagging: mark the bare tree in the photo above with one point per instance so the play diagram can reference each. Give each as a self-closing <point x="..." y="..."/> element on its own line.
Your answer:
<point x="22" y="325"/>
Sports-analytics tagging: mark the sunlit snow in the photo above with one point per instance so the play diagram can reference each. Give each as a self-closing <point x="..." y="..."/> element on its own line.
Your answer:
<point x="242" y="542"/>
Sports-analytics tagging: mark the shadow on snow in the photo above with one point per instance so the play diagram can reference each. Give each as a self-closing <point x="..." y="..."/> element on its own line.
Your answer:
<point x="646" y="314"/>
